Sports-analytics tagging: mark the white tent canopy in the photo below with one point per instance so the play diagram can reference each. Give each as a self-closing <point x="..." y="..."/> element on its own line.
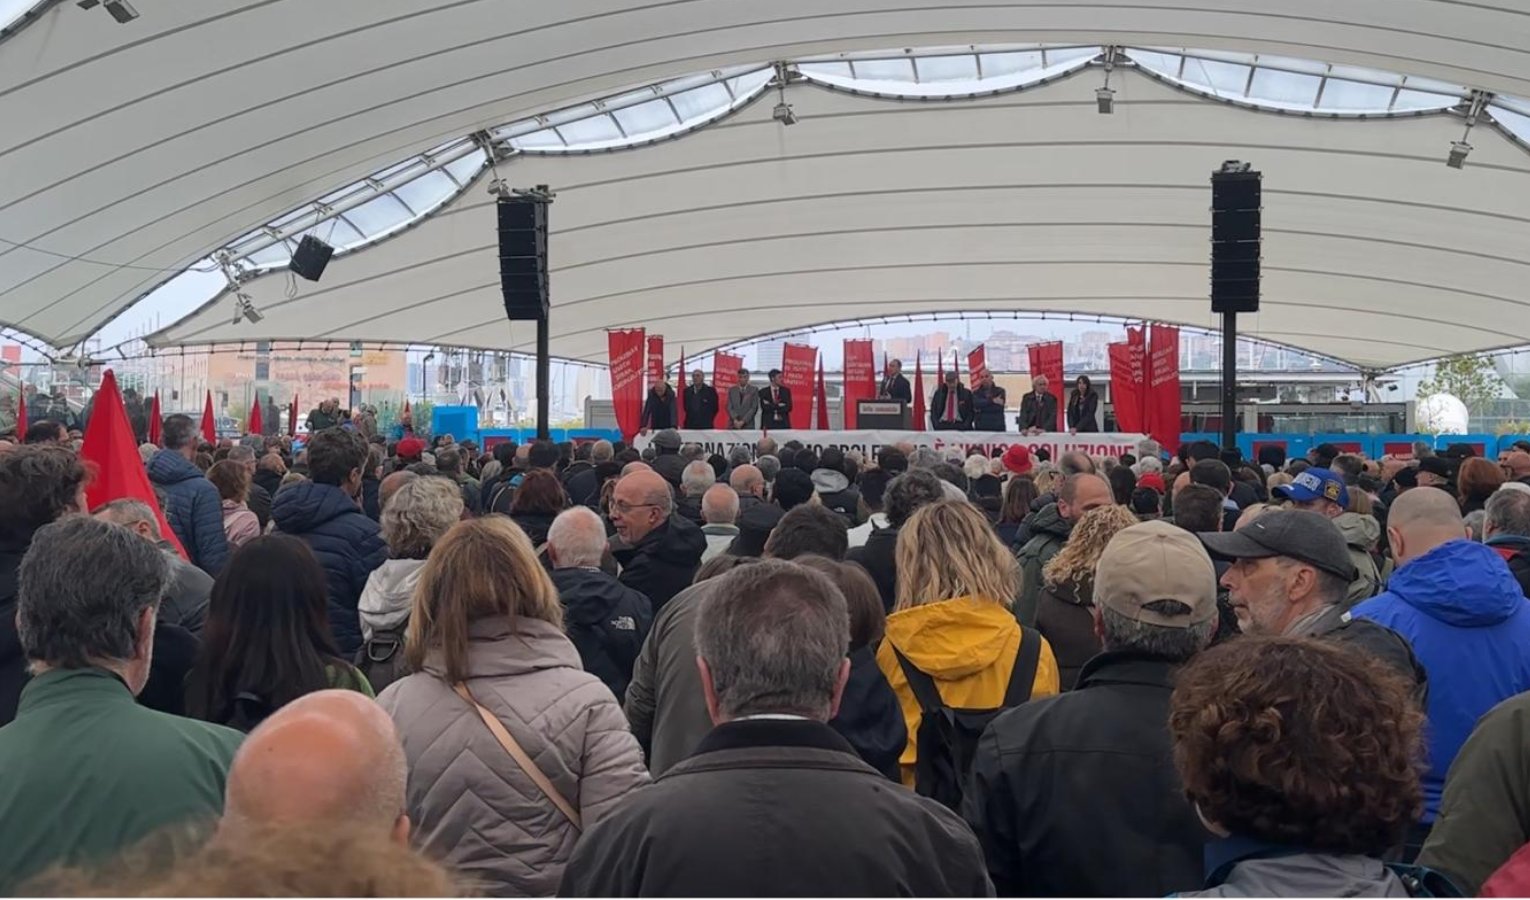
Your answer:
<point x="135" y="149"/>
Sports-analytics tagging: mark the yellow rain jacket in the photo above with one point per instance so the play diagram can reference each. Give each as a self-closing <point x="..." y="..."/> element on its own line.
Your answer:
<point x="968" y="646"/>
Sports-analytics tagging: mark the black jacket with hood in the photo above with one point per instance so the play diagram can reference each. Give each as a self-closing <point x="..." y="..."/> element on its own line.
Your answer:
<point x="606" y="620"/>
<point x="664" y="562"/>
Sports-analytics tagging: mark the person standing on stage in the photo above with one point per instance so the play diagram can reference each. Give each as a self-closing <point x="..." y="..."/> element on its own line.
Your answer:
<point x="1083" y="406"/>
<point x="776" y="403"/>
<point x="659" y="408"/>
<point x="894" y="385"/>
<point x="951" y="407"/>
<point x="743" y="402"/>
<point x="1038" y="409"/>
<point x="700" y="403"/>
<point x="988" y="405"/>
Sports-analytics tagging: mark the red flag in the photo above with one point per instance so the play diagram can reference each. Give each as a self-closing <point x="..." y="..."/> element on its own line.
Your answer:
<point x="940" y="370"/>
<point x="725" y="368"/>
<point x="977" y="364"/>
<point x="256" y="425"/>
<point x="209" y="424"/>
<point x="821" y="400"/>
<point x="1163" y="405"/>
<point x="156" y="422"/>
<point x="21" y="415"/>
<point x="860" y="380"/>
<point x="797" y="376"/>
<point x="1125" y="393"/>
<point x="655" y="360"/>
<point x="625" y="363"/>
<point x="292" y="415"/>
<point x="919" y="424"/>
<point x="1047" y="359"/>
<point x="112" y="452"/>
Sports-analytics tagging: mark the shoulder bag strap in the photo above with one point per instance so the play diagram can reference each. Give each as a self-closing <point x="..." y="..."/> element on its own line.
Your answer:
<point x="1023" y="677"/>
<point x="525" y="763"/>
<point x="921" y="684"/>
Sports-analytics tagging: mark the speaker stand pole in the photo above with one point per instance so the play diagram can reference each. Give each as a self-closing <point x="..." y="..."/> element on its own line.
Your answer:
<point x="544" y="369"/>
<point x="1229" y="380"/>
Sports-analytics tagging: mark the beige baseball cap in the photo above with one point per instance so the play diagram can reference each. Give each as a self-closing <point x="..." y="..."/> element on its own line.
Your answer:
<point x="1156" y="561"/>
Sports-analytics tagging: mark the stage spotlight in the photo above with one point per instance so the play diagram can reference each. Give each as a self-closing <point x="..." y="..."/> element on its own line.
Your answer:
<point x="121" y="10"/>
<point x="244" y="308"/>
<point x="1106" y="97"/>
<point x="783" y="113"/>
<point x="1458" y="152"/>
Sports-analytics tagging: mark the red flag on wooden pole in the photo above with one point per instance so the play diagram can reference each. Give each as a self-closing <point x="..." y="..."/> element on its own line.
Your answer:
<point x="821" y="400"/>
<point x="209" y="424"/>
<point x="256" y="425"/>
<point x="919" y="423"/>
<point x="156" y="422"/>
<point x="21" y="415"/>
<point x="112" y="452"/>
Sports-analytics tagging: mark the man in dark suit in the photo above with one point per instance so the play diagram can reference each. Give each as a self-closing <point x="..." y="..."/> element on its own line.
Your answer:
<point x="951" y="407"/>
<point x="700" y="403"/>
<point x="775" y="403"/>
<point x="894" y="385"/>
<point x="1038" y="409"/>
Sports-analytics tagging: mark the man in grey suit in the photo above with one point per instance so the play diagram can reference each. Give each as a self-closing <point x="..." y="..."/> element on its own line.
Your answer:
<point x="743" y="402"/>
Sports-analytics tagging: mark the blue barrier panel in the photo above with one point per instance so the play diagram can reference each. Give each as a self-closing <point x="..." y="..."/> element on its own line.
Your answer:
<point x="1506" y="441"/>
<point x="461" y="422"/>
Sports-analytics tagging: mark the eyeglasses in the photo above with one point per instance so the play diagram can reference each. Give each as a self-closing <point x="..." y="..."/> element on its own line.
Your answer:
<point x="626" y="508"/>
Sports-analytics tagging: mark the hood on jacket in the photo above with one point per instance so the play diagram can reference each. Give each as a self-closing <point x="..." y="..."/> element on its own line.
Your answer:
<point x="829" y="481"/>
<point x="170" y="467"/>
<point x="386" y="600"/>
<point x="300" y="508"/>
<point x="1359" y="531"/>
<point x="1072" y="592"/>
<point x="1048" y="520"/>
<point x="589" y="595"/>
<point x="1304" y="875"/>
<point x="952" y="639"/>
<point x="679" y="541"/>
<point x="496" y="648"/>
<point x="1460" y="583"/>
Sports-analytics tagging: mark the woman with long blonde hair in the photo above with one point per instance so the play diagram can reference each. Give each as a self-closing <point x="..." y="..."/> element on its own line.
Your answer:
<point x="952" y="623"/>
<point x="1064" y="612"/>
<point x="487" y="648"/>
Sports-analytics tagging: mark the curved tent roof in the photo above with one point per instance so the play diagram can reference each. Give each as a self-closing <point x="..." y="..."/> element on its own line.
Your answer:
<point x="139" y="148"/>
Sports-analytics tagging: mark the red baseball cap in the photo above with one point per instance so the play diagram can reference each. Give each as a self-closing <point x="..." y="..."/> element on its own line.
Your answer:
<point x="410" y="448"/>
<point x="1017" y="459"/>
<point x="1152" y="480"/>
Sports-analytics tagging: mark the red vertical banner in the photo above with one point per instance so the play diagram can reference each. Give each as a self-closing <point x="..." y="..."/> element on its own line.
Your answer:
<point x="1047" y="359"/>
<point x="655" y="360"/>
<point x="860" y="380"/>
<point x="977" y="364"/>
<point x="1163" y="404"/>
<point x="256" y="424"/>
<point x="1136" y="342"/>
<point x="797" y="376"/>
<point x="725" y="368"/>
<point x="919" y="410"/>
<point x="1125" y="389"/>
<point x="209" y="424"/>
<point x="21" y="414"/>
<point x="820" y="400"/>
<point x="156" y="423"/>
<point x="626" y="356"/>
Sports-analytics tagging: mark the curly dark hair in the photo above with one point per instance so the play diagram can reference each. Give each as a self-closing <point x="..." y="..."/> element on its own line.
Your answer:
<point x="38" y="484"/>
<point x="1299" y="741"/>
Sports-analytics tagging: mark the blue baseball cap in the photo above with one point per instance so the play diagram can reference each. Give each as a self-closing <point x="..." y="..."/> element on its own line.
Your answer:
<point x="1315" y="484"/>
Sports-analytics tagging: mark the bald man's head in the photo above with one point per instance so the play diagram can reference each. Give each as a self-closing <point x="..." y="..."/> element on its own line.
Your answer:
<point x="747" y="481"/>
<point x="329" y="756"/>
<point x="642" y="502"/>
<point x="1421" y="520"/>
<point x="636" y="466"/>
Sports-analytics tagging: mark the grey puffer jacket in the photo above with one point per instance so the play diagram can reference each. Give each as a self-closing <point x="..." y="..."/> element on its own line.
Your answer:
<point x="1361" y="534"/>
<point x="471" y="805"/>
<point x="1244" y="867"/>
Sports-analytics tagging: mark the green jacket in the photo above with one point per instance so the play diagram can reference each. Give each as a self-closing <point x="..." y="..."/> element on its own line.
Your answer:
<point x="1485" y="813"/>
<point x="87" y="772"/>
<point x="1049" y="532"/>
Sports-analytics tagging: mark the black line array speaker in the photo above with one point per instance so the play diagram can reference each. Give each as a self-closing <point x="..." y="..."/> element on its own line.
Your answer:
<point x="1235" y="240"/>
<point x="311" y="257"/>
<point x="523" y="257"/>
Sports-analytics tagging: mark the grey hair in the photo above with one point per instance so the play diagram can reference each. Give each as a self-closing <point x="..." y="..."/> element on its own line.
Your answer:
<point x="923" y="458"/>
<point x="602" y="451"/>
<point x="1172" y="644"/>
<point x="692" y="452"/>
<point x="1474" y="523"/>
<point x="740" y="456"/>
<point x="1147" y="464"/>
<point x="1422" y="450"/>
<point x="769" y="467"/>
<point x="697" y="477"/>
<point x="146" y="451"/>
<point x="242" y="453"/>
<point x="856" y="457"/>
<point x="774" y="637"/>
<point x="954" y="456"/>
<point x="1508" y="512"/>
<point x="1147" y="448"/>
<point x="578" y="537"/>
<point x="976" y="466"/>
<point x="129" y="512"/>
<point x="83" y="584"/>
<point x="491" y="470"/>
<point x="418" y="514"/>
<point x="719" y="505"/>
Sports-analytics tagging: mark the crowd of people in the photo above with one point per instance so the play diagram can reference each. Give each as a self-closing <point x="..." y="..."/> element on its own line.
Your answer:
<point x="350" y="664"/>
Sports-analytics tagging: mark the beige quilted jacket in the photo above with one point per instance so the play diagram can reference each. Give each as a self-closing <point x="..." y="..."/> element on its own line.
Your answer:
<point x="471" y="806"/>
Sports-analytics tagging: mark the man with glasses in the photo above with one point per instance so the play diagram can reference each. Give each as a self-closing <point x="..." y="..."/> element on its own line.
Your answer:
<point x="659" y="551"/>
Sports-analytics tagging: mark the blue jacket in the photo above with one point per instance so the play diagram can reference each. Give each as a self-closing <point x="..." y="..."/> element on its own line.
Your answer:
<point x="1469" y="624"/>
<point x="193" y="507"/>
<point x="347" y="543"/>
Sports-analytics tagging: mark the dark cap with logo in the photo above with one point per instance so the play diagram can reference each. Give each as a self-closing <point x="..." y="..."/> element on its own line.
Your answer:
<point x="1296" y="533"/>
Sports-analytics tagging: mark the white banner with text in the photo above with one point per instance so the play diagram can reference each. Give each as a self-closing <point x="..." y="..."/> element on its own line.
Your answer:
<point x="869" y="443"/>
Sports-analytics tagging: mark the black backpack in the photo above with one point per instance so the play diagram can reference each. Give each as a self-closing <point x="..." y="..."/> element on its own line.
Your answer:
<point x="948" y="737"/>
<point x="381" y="657"/>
